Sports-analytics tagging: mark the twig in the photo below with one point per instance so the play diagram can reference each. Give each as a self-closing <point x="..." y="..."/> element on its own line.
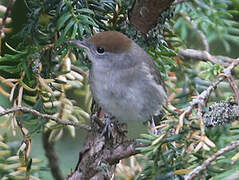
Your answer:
<point x="233" y="86"/>
<point x="9" y="8"/>
<point x="228" y="73"/>
<point x="52" y="157"/>
<point x="203" y="55"/>
<point x="206" y="93"/>
<point x="176" y="2"/>
<point x="79" y="70"/>
<point x="202" y="127"/>
<point x="206" y="163"/>
<point x="200" y="33"/>
<point x="47" y="116"/>
<point x="202" y="98"/>
<point x="49" y="46"/>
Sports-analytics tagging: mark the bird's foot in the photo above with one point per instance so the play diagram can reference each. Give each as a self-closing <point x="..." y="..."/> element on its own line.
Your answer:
<point x="108" y="129"/>
<point x="153" y="127"/>
<point x="113" y="128"/>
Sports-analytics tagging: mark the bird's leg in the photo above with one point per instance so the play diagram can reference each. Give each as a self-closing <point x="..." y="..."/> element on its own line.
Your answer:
<point x="108" y="127"/>
<point x="111" y="127"/>
<point x="152" y="127"/>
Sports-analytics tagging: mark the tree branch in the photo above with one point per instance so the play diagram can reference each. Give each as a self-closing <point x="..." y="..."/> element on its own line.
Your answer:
<point x="102" y="152"/>
<point x="176" y="2"/>
<point x="52" y="156"/>
<point x="202" y="98"/>
<point x="96" y="156"/>
<point x="203" y="55"/>
<point x="79" y="70"/>
<point x="47" y="116"/>
<point x="233" y="85"/>
<point x="9" y="8"/>
<point x="206" y="93"/>
<point x="200" y="33"/>
<point x="144" y="14"/>
<point x="123" y="151"/>
<point x="206" y="163"/>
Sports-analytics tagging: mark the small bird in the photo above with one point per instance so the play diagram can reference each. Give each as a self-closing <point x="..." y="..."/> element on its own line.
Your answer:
<point x="123" y="78"/>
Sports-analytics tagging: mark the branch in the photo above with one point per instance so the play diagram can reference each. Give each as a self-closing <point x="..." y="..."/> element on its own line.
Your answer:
<point x="203" y="55"/>
<point x="123" y="151"/>
<point x="200" y="33"/>
<point x="206" y="93"/>
<point x="206" y="163"/>
<point x="100" y="151"/>
<point x="51" y="155"/>
<point x="79" y="70"/>
<point x="202" y="98"/>
<point x="234" y="87"/>
<point x="9" y="8"/>
<point x="176" y="2"/>
<point x="144" y="14"/>
<point x="93" y="157"/>
<point x="47" y="116"/>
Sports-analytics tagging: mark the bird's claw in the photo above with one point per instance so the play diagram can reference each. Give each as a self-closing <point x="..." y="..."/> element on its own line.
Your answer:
<point x="107" y="131"/>
<point x="153" y="127"/>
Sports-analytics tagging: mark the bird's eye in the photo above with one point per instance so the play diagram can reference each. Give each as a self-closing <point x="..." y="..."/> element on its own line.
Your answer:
<point x="100" y="50"/>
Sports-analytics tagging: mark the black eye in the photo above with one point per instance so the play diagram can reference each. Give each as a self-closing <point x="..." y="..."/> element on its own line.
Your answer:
<point x="100" y="50"/>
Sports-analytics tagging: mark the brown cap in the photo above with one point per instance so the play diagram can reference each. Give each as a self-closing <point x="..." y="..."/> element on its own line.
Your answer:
<point x="111" y="41"/>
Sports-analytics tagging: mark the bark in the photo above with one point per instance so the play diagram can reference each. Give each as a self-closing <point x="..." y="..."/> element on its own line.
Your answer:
<point x="100" y="154"/>
<point x="144" y="14"/>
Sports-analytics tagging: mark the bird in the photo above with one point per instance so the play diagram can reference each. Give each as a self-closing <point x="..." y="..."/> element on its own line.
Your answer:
<point x="123" y="78"/>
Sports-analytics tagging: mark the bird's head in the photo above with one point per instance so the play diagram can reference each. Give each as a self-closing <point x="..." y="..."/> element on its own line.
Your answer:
<point x="110" y="49"/>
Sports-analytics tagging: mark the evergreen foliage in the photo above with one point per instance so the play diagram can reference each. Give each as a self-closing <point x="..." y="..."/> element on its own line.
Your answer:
<point x="38" y="67"/>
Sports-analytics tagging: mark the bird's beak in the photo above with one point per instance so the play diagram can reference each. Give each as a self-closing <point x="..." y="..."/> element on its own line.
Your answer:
<point x="82" y="44"/>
